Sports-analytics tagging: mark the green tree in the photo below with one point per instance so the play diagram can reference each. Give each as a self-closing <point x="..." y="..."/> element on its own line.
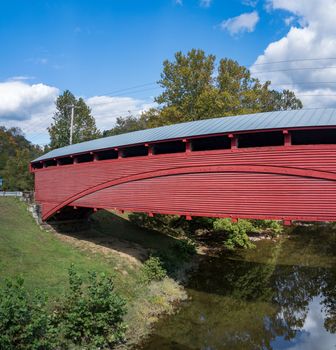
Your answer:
<point x="193" y="90"/>
<point x="15" y="154"/>
<point x="84" y="127"/>
<point x="16" y="173"/>
<point x="125" y="124"/>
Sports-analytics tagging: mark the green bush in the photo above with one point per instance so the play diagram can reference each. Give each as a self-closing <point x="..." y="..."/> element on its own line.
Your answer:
<point x="184" y="248"/>
<point x="237" y="232"/>
<point x="268" y="226"/>
<point x="92" y="315"/>
<point x="24" y="320"/>
<point x="152" y="270"/>
<point x="89" y="316"/>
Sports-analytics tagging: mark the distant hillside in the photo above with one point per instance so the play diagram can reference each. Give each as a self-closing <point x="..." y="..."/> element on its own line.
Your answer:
<point x="15" y="154"/>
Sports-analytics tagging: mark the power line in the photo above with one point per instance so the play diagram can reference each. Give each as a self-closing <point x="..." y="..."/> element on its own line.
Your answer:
<point x="294" y="60"/>
<point x="129" y="88"/>
<point x="293" y="69"/>
<point x="302" y="83"/>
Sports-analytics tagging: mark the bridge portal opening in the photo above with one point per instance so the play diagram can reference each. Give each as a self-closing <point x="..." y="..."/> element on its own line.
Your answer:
<point x="210" y="143"/>
<point x="169" y="147"/>
<point x="314" y="137"/>
<point x="261" y="139"/>
<point x="136" y="151"/>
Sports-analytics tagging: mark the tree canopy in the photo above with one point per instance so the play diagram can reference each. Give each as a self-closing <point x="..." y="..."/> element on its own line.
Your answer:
<point x="84" y="126"/>
<point x="15" y="154"/>
<point x="193" y="89"/>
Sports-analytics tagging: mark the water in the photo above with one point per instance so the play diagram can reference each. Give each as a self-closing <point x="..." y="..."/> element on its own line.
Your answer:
<point x="282" y="295"/>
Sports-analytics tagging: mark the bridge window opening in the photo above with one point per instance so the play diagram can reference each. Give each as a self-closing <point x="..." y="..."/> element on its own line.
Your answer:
<point x="37" y="165"/>
<point x="210" y="143"/>
<point x="313" y="137"/>
<point x="50" y="162"/>
<point x="261" y="139"/>
<point x="84" y="158"/>
<point x="136" y="151"/>
<point x="169" y="147"/>
<point x="108" y="154"/>
<point x="65" y="161"/>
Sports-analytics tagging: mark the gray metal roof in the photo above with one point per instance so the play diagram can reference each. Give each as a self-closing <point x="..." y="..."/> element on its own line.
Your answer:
<point x="247" y="122"/>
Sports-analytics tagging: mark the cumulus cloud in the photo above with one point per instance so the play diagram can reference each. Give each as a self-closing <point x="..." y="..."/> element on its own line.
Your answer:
<point x="106" y="109"/>
<point x="31" y="107"/>
<point x="20" y="101"/>
<point x="304" y="52"/>
<point x="245" y="22"/>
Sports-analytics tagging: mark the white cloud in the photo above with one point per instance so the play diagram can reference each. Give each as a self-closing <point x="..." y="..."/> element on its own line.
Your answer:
<point x="28" y="106"/>
<point x="106" y="109"/>
<point x="313" y="38"/>
<point x="245" y="22"/>
<point x="289" y="20"/>
<point x="31" y="107"/>
<point x="205" y="3"/>
<point x="252" y="3"/>
<point x="19" y="100"/>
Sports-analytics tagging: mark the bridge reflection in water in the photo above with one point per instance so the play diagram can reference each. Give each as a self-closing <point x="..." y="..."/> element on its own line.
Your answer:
<point x="277" y="165"/>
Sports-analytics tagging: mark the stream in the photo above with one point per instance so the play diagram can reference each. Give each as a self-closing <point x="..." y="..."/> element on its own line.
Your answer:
<point x="280" y="295"/>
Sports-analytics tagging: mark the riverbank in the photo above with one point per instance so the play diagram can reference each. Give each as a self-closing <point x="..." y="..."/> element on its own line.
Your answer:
<point x="112" y="245"/>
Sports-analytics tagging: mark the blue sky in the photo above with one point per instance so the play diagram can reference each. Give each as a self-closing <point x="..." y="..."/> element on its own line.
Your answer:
<point x="98" y="48"/>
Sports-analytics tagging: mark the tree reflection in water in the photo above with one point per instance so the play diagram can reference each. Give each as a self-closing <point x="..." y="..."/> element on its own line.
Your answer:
<point x="253" y="299"/>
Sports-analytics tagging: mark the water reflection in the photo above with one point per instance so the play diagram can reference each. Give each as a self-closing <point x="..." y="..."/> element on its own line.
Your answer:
<point x="279" y="296"/>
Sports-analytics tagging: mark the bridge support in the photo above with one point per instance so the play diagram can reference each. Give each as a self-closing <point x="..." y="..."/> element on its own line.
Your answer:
<point x="234" y="143"/>
<point x="287" y="138"/>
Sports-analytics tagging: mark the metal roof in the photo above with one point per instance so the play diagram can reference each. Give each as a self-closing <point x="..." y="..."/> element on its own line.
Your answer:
<point x="246" y="122"/>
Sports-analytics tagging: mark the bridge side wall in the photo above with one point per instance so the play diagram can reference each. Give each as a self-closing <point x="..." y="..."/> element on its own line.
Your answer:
<point x="292" y="193"/>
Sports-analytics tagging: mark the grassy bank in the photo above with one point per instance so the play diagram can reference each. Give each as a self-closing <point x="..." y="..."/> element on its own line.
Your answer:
<point x="113" y="246"/>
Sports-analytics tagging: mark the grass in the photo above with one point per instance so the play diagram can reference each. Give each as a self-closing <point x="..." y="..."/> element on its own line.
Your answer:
<point x="43" y="258"/>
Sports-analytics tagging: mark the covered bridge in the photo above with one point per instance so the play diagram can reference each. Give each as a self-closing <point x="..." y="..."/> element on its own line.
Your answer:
<point x="276" y="165"/>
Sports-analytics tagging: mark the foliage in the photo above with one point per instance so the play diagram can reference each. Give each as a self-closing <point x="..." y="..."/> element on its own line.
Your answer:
<point x="152" y="270"/>
<point x="272" y="227"/>
<point x="126" y="124"/>
<point x="168" y="224"/>
<point x="185" y="248"/>
<point x="93" y="315"/>
<point x="25" y="322"/>
<point x="192" y="90"/>
<point x="20" y="237"/>
<point x="15" y="154"/>
<point x="237" y="232"/>
<point x="84" y="126"/>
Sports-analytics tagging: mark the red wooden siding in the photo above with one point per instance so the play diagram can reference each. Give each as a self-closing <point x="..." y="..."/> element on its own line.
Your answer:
<point x="283" y="182"/>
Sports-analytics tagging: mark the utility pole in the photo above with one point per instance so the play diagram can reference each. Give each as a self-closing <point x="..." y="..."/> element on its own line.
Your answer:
<point x="71" y="120"/>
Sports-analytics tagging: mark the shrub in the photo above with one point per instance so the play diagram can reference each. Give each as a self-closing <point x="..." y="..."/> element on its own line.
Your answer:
<point x="24" y="319"/>
<point x="237" y="232"/>
<point x="184" y="248"/>
<point x="268" y="226"/>
<point x="152" y="270"/>
<point x="92" y="316"/>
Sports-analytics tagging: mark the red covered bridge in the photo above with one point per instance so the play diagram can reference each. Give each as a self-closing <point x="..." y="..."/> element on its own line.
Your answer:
<point x="277" y="165"/>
